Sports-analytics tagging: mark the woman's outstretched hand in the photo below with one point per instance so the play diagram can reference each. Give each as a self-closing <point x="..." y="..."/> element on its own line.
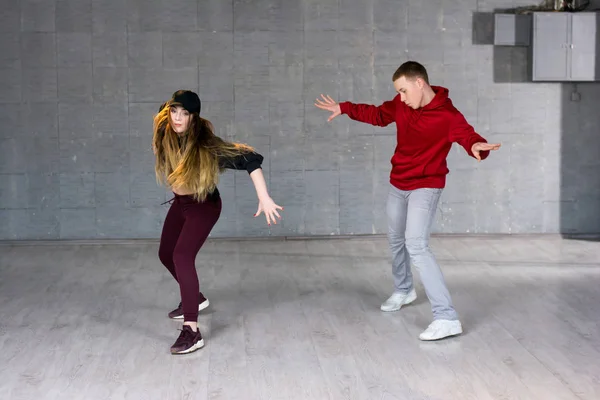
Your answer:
<point x="269" y="207"/>
<point x="328" y="104"/>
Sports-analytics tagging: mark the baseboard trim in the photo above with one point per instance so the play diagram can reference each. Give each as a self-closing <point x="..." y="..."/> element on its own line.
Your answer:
<point x="475" y="236"/>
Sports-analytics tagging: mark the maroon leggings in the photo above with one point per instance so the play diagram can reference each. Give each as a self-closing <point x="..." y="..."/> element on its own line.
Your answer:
<point x="185" y="230"/>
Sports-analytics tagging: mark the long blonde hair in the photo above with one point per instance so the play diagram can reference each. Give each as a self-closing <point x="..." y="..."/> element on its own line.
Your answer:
<point x="192" y="160"/>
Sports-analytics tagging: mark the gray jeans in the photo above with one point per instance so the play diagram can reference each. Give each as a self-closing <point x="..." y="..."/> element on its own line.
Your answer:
<point x="410" y="218"/>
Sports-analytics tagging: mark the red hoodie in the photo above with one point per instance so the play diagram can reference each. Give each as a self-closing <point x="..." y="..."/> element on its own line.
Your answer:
<point x="424" y="137"/>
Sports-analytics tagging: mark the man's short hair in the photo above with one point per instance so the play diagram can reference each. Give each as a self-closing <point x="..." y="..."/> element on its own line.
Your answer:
<point x="411" y="70"/>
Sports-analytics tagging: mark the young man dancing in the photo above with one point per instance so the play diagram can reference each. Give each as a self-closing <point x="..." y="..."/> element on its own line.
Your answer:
<point x="426" y="124"/>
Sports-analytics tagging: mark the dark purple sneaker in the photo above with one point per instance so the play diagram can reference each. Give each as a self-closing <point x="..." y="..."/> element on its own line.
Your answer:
<point x="178" y="312"/>
<point x="188" y="341"/>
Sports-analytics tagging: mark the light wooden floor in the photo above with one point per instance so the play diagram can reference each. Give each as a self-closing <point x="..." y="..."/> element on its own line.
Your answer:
<point x="300" y="320"/>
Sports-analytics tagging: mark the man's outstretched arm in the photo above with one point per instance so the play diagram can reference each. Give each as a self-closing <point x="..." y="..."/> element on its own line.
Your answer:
<point x="464" y="134"/>
<point x="382" y="115"/>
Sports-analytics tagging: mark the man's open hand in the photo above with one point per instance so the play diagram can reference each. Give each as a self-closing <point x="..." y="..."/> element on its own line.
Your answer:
<point x="481" y="146"/>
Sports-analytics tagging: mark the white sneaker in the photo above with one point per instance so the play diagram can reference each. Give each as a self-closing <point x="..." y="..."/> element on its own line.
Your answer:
<point x="397" y="300"/>
<point x="441" y="328"/>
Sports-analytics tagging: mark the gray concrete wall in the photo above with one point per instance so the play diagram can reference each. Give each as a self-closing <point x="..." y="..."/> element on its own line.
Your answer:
<point x="80" y="80"/>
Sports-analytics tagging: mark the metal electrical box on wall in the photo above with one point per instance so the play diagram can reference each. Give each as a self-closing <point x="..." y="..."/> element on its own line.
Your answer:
<point x="565" y="47"/>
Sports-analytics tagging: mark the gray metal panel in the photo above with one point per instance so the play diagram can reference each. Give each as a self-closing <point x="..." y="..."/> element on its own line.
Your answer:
<point x="512" y="30"/>
<point x="550" y="46"/>
<point x="585" y="39"/>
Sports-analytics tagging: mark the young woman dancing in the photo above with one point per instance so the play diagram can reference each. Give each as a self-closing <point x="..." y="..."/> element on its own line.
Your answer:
<point x="189" y="159"/>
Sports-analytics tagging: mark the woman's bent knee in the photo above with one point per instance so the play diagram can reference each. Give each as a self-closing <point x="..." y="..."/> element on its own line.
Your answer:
<point x="183" y="260"/>
<point x="165" y="257"/>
